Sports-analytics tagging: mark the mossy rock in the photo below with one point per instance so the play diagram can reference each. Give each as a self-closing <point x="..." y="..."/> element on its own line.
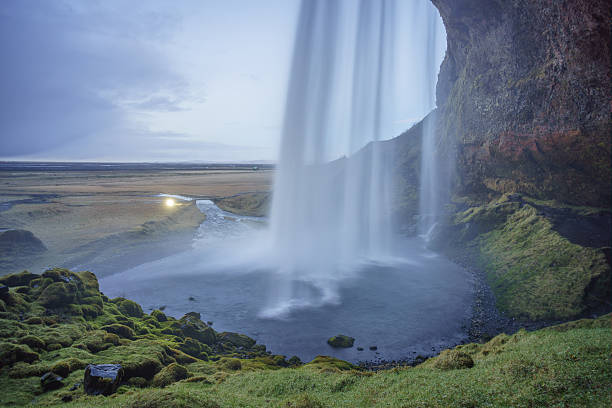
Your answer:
<point x="12" y="353"/>
<point x="191" y="326"/>
<point x="25" y="370"/>
<point x="326" y="362"/>
<point x="65" y="367"/>
<point x="341" y="341"/>
<point x="120" y="330"/>
<point x="128" y="307"/>
<point x="140" y="358"/>
<point x="170" y="374"/>
<point x="191" y="347"/>
<point x="232" y="364"/>
<point x="98" y="340"/>
<point x="57" y="294"/>
<point x="18" y="279"/>
<point x="235" y="339"/>
<point x="453" y="360"/>
<point x="138" y="382"/>
<point x="159" y="315"/>
<point x="33" y="341"/>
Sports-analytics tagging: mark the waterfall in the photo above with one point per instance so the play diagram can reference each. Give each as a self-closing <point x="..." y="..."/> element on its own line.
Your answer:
<point x="332" y="198"/>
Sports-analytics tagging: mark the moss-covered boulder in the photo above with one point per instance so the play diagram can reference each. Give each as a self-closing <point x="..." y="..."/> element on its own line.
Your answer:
<point x="159" y="315"/>
<point x="140" y="358"/>
<point x="191" y="326"/>
<point x="12" y="353"/>
<point x="453" y="359"/>
<point x="57" y="294"/>
<point x="235" y="339"/>
<point x="341" y="341"/>
<point x="18" y="279"/>
<point x="120" y="330"/>
<point x="35" y="343"/>
<point x="170" y="374"/>
<point x="128" y="307"/>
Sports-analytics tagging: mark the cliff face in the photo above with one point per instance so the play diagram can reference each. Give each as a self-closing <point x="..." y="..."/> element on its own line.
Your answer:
<point x="523" y="94"/>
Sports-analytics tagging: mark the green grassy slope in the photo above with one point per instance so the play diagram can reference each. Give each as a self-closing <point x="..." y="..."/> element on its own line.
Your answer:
<point x="566" y="365"/>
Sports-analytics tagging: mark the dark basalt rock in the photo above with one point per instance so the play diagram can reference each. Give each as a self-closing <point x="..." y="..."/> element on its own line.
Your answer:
<point x="51" y="381"/>
<point x="341" y="341"/>
<point x="102" y="379"/>
<point x="527" y="108"/>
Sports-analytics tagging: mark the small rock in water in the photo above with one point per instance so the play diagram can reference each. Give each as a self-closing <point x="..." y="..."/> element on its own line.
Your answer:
<point x="162" y="308"/>
<point x="373" y="348"/>
<point x="359" y="348"/>
<point x="102" y="378"/>
<point x="209" y="323"/>
<point x="341" y="341"/>
<point x="191" y="299"/>
<point x="50" y="381"/>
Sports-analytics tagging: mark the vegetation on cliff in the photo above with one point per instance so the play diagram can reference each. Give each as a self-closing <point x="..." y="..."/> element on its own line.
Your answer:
<point x="532" y="265"/>
<point x="171" y="362"/>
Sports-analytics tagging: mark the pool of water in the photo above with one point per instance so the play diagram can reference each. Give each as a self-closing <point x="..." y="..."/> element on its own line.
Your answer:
<point x="415" y="303"/>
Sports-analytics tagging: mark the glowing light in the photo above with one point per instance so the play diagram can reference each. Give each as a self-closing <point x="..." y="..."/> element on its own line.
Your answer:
<point x="170" y="202"/>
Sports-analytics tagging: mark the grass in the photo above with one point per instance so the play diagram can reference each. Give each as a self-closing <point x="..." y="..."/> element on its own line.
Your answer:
<point x="564" y="365"/>
<point x="534" y="271"/>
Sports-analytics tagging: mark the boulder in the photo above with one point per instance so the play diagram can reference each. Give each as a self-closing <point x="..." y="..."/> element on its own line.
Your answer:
<point x="341" y="341"/>
<point x="50" y="381"/>
<point x="57" y="294"/>
<point x="193" y="327"/>
<point x="170" y="374"/>
<point x="453" y="360"/>
<point x="18" y="279"/>
<point x="102" y="379"/>
<point x="238" y="340"/>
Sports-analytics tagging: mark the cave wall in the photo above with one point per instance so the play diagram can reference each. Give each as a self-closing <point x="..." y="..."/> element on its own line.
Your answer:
<point x="524" y="97"/>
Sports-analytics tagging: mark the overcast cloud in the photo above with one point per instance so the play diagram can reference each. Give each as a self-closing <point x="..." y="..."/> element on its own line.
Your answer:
<point x="154" y="80"/>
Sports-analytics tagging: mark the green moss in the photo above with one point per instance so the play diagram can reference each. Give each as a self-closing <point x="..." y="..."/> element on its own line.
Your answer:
<point x="18" y="279"/>
<point x="128" y="307"/>
<point x="231" y="364"/>
<point x="120" y="330"/>
<point x="34" y="342"/>
<point x="453" y="359"/>
<point x="159" y="315"/>
<point x="190" y="325"/>
<point x="12" y="353"/>
<point x="538" y="274"/>
<point x="329" y="364"/>
<point x="140" y="358"/>
<point x="57" y="294"/>
<point x="170" y="374"/>
<point x="235" y="339"/>
<point x="341" y="341"/>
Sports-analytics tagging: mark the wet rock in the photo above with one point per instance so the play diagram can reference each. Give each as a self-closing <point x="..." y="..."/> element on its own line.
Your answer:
<point x="51" y="381"/>
<point x="359" y="348"/>
<point x="373" y="348"/>
<point x="341" y="341"/>
<point x="75" y="386"/>
<point x="102" y="378"/>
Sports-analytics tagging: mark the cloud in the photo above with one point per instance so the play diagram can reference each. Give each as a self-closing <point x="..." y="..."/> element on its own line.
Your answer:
<point x="66" y="70"/>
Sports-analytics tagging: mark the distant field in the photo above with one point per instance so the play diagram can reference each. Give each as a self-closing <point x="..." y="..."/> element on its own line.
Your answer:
<point x="96" y="218"/>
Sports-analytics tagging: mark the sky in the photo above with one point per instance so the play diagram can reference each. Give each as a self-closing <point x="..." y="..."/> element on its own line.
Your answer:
<point x="143" y="81"/>
<point x="155" y="80"/>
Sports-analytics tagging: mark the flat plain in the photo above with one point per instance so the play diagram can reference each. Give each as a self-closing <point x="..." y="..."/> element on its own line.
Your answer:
<point x="111" y="220"/>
